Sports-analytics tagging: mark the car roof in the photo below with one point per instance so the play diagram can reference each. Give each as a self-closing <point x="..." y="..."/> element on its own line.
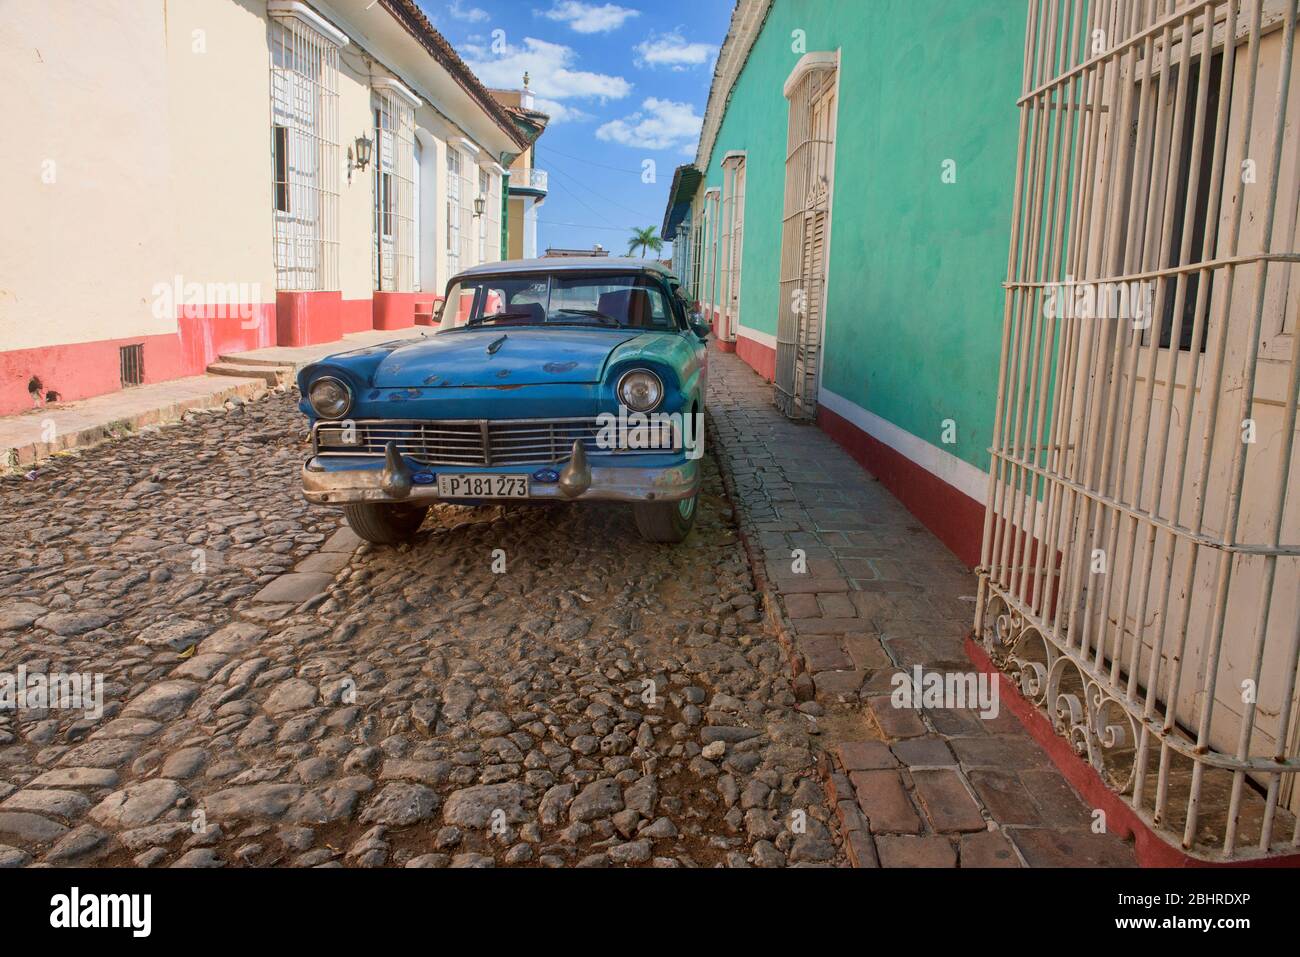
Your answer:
<point x="565" y="264"/>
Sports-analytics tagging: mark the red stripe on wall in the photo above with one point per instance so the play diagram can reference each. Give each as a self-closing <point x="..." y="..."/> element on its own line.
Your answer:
<point x="760" y="358"/>
<point x="308" y="318"/>
<point x="952" y="515"/>
<point x="207" y="332"/>
<point x="82" y="370"/>
<point x="394" y="310"/>
<point x="356" y="315"/>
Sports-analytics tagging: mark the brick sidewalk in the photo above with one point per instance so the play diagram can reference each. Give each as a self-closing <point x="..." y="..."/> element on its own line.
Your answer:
<point x="881" y="594"/>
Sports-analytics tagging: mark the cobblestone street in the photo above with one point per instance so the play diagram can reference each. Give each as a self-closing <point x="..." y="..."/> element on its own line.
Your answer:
<point x="774" y="435"/>
<point x="527" y="686"/>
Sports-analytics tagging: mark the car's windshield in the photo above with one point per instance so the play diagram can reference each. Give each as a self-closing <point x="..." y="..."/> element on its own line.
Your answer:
<point x="612" y="300"/>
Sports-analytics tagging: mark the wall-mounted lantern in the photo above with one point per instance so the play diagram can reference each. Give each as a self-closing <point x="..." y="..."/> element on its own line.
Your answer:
<point x="480" y="205"/>
<point x="361" y="158"/>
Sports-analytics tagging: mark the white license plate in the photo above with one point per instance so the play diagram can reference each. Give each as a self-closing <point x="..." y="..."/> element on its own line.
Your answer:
<point x="482" y="486"/>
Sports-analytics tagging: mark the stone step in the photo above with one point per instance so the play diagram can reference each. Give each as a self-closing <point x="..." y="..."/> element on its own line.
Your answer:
<point x="272" y="375"/>
<point x="253" y="359"/>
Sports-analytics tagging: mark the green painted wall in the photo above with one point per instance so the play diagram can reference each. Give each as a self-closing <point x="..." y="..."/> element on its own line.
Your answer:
<point x="914" y="304"/>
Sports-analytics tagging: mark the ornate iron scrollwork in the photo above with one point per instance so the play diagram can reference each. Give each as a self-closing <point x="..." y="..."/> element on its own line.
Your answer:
<point x="1096" y="723"/>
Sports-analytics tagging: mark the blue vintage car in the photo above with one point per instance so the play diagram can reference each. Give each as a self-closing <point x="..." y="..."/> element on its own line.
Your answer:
<point x="546" y="380"/>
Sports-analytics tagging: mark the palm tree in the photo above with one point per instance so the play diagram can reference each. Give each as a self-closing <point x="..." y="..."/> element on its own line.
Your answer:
<point x="646" y="240"/>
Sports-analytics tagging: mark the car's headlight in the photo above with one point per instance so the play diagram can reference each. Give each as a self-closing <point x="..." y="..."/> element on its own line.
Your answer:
<point x="640" y="390"/>
<point x="330" y="397"/>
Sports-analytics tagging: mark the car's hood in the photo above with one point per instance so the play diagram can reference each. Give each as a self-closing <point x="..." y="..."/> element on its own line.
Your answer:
<point x="503" y="357"/>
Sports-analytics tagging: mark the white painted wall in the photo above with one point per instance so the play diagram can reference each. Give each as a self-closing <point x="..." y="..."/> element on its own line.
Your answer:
<point x="221" y="182"/>
<point x="138" y="148"/>
<point x="87" y="228"/>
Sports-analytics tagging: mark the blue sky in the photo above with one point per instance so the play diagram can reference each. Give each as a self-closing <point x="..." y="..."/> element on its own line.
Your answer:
<point x="625" y="81"/>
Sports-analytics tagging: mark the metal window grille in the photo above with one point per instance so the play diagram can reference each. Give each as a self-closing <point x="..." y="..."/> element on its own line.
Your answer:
<point x="697" y="253"/>
<point x="131" y="364"/>
<point x="468" y="191"/>
<point x="305" y="149"/>
<point x="712" y="213"/>
<point x="417" y="233"/>
<point x="394" y="183"/>
<point x="725" y="205"/>
<point x="1140" y="576"/>
<point x="682" y="255"/>
<point x="732" y="243"/>
<point x="492" y="217"/>
<point x="453" y="211"/>
<point x="809" y="165"/>
<point x="688" y="258"/>
<point x="485" y="193"/>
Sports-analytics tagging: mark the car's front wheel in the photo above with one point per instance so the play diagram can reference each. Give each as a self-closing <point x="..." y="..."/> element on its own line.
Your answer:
<point x="384" y="524"/>
<point x="668" y="522"/>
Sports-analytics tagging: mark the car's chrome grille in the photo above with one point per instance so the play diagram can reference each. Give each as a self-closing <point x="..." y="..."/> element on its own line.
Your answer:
<point x="472" y="443"/>
<point x="521" y="443"/>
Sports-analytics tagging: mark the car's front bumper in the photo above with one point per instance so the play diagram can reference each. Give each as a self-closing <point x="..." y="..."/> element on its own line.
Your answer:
<point x="334" y="481"/>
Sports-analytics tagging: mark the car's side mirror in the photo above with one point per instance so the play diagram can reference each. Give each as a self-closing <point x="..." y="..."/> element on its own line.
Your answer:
<point x="700" y="327"/>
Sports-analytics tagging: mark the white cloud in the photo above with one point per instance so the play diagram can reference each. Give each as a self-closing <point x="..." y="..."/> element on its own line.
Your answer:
<point x="658" y="125"/>
<point x="588" y="17"/>
<point x="559" y="113"/>
<point x="471" y="14"/>
<point x="552" y="76"/>
<point x="673" y="51"/>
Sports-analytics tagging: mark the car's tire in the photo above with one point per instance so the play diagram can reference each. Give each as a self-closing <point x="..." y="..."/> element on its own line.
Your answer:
<point x="384" y="524"/>
<point x="667" y="522"/>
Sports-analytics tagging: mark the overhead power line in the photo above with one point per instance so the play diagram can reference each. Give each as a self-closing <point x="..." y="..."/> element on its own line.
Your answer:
<point x="616" y="229"/>
<point x="603" y="199"/>
<point x="616" y="169"/>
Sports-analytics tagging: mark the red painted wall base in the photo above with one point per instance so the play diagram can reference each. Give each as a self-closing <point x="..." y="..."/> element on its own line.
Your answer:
<point x="1150" y="849"/>
<point x="306" y="318"/>
<point x="394" y="310"/>
<point x="215" y="331"/>
<point x="954" y="517"/>
<point x="82" y="370"/>
<point x="356" y="315"/>
<point x="760" y="358"/>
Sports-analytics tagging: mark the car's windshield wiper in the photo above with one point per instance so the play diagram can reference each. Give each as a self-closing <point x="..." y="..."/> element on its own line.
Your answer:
<point x="480" y="320"/>
<point x="594" y="314"/>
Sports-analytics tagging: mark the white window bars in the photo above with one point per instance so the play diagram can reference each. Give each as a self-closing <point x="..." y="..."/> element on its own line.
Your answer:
<point x="712" y="242"/>
<point x="732" y="243"/>
<point x="492" y="216"/>
<point x="489" y="228"/>
<point x="697" y="255"/>
<point x="682" y="257"/>
<point x="809" y="166"/>
<point x="394" y="185"/>
<point x="454" y="182"/>
<point x="1140" y="576"/>
<point x="304" y="149"/>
